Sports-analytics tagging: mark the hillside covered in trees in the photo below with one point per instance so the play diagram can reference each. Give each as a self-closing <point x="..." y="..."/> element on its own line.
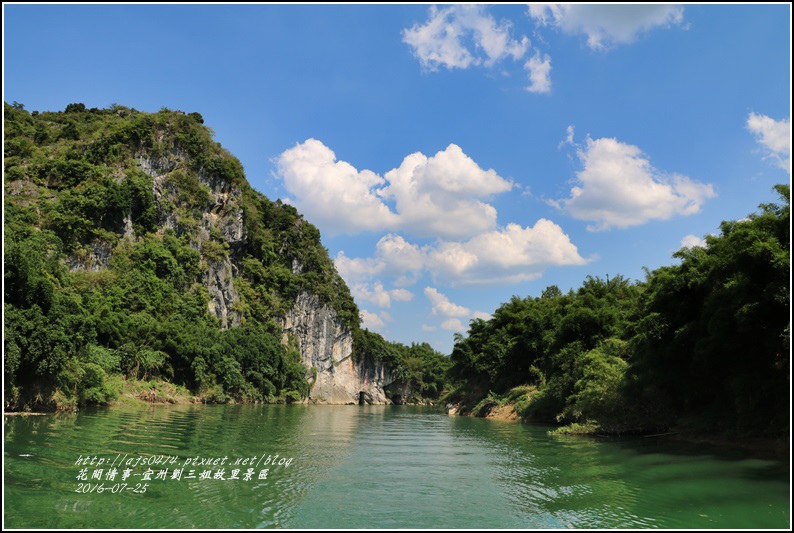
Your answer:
<point x="136" y="249"/>
<point x="702" y="345"/>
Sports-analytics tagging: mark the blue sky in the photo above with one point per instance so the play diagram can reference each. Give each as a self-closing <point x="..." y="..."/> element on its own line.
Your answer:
<point x="453" y="156"/>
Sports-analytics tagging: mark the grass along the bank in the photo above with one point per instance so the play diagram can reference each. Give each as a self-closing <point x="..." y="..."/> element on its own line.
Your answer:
<point x="119" y="390"/>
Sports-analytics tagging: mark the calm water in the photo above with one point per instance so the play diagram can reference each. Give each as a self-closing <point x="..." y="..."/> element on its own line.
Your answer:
<point x="369" y="467"/>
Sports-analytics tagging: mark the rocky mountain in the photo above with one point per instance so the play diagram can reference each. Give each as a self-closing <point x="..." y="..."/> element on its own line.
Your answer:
<point x="135" y="247"/>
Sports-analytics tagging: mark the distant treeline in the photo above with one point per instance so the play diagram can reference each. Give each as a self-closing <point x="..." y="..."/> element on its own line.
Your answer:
<point x="702" y="344"/>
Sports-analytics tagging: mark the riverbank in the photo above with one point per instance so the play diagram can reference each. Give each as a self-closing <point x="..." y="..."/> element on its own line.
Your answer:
<point x="126" y="391"/>
<point x="509" y="407"/>
<point x="157" y="392"/>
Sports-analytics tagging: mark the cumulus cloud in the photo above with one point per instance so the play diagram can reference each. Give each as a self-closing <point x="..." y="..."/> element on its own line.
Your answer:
<point x="357" y="269"/>
<point x="394" y="256"/>
<point x="443" y="307"/>
<point x="335" y="195"/>
<point x="607" y="25"/>
<point x="400" y="258"/>
<point x="693" y="241"/>
<point x="452" y="313"/>
<point x="539" y="73"/>
<point x="442" y="195"/>
<point x="371" y="320"/>
<point x="461" y="36"/>
<point x="453" y="324"/>
<point x="775" y="136"/>
<point x="508" y="255"/>
<point x="401" y="295"/>
<point x="378" y="295"/>
<point x="619" y="188"/>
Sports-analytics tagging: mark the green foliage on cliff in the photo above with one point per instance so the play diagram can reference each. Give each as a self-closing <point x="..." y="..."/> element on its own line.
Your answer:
<point x="119" y="225"/>
<point x="703" y="344"/>
<point x="418" y="370"/>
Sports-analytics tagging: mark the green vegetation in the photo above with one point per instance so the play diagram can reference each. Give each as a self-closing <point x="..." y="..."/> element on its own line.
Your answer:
<point x="702" y="345"/>
<point x="418" y="370"/>
<point x="116" y="223"/>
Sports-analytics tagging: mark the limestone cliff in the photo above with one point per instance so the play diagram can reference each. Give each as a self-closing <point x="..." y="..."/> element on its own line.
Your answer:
<point x="325" y="341"/>
<point x="221" y="215"/>
<point x="326" y="347"/>
<point x="145" y="232"/>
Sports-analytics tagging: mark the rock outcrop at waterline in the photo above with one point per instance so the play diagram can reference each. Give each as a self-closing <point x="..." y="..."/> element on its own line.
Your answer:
<point x="326" y="347"/>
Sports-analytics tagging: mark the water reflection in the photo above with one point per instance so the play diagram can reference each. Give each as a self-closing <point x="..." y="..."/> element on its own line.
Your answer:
<point x="377" y="467"/>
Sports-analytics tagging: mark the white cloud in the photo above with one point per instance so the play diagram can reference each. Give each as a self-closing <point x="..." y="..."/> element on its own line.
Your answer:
<point x="394" y="256"/>
<point x="775" y="136"/>
<point x="483" y="316"/>
<point x="399" y="253"/>
<point x="619" y="188"/>
<point x="401" y="295"/>
<point x="400" y="258"/>
<point x="453" y="324"/>
<point x="509" y="255"/>
<point x="442" y="306"/>
<point x="335" y="195"/>
<point x="539" y="73"/>
<point x="375" y="295"/>
<point x="461" y="36"/>
<point x="357" y="269"/>
<point x="568" y="136"/>
<point x="438" y="196"/>
<point x="693" y="241"/>
<point x="378" y="295"/>
<point x="607" y="25"/>
<point x="441" y="195"/>
<point x="426" y="327"/>
<point x="371" y="320"/>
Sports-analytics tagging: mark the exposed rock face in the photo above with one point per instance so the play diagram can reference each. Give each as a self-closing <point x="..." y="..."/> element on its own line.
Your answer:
<point x="326" y="344"/>
<point x="223" y="214"/>
<point x="94" y="259"/>
<point x="324" y="341"/>
<point x="223" y="296"/>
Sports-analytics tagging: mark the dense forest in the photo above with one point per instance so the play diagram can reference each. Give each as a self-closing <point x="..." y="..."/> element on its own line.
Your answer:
<point x="108" y="270"/>
<point x="702" y="345"/>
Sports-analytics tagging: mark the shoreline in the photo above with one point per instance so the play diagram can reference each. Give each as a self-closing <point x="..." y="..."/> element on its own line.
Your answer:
<point x="777" y="448"/>
<point x="159" y="392"/>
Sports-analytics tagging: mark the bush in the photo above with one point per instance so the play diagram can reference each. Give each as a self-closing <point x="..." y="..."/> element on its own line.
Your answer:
<point x="292" y="396"/>
<point x="598" y="393"/>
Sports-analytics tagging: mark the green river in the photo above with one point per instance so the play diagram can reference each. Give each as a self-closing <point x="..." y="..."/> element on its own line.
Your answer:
<point x="375" y="467"/>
